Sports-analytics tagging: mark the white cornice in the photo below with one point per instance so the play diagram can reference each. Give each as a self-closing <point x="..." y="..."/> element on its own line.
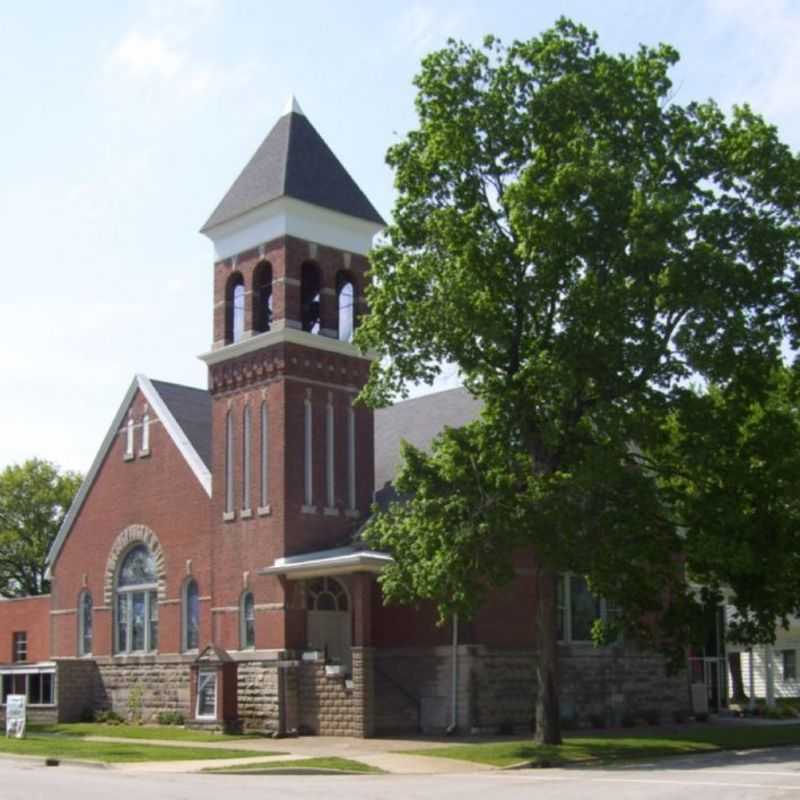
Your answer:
<point x="286" y="216"/>
<point x="339" y="561"/>
<point x="286" y="335"/>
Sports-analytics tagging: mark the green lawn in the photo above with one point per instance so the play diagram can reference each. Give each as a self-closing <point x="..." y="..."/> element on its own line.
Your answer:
<point x="265" y="767"/>
<point x="152" y="732"/>
<point x="604" y="749"/>
<point x="74" y="748"/>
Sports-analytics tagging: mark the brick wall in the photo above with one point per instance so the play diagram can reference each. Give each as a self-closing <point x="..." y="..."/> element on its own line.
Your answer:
<point x="29" y="614"/>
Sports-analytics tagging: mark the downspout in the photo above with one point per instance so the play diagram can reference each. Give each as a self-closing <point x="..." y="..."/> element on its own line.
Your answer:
<point x="451" y="729"/>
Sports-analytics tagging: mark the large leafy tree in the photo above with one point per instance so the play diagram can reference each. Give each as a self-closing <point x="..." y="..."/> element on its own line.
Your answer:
<point x="593" y="256"/>
<point x="34" y="498"/>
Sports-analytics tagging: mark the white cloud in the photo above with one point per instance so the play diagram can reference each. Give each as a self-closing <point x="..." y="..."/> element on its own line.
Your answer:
<point x="422" y="27"/>
<point x="143" y="56"/>
<point x="770" y="30"/>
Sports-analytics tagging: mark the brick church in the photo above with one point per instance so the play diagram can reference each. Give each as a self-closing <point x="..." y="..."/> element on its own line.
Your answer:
<point x="211" y="563"/>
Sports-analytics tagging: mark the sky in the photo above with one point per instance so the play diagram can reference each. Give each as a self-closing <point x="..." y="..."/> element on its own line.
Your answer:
<point x="124" y="124"/>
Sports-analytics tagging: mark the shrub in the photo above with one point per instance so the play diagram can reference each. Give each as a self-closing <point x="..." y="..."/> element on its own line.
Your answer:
<point x="679" y="716"/>
<point x="652" y="716"/>
<point x="135" y="704"/>
<point x="87" y="715"/>
<point x="628" y="719"/>
<point x="108" y="718"/>
<point x="170" y="718"/>
<point x="597" y="721"/>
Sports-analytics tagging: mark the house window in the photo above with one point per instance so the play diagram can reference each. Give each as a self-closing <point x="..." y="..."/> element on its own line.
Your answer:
<point x="246" y="458"/>
<point x="229" y="463"/>
<point x="19" y="649"/>
<point x="85" y="624"/>
<point x="248" y="621"/>
<point x="347" y="308"/>
<point x="191" y="616"/>
<point x="264" y="455"/>
<point x="577" y="609"/>
<point x="38" y="686"/>
<point x="137" y="603"/>
<point x="789" y="665"/>
<point x="206" y="694"/>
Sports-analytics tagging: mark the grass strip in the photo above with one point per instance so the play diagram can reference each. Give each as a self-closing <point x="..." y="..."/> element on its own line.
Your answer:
<point x="111" y="752"/>
<point x="149" y="732"/>
<point x="608" y="749"/>
<point x="333" y="764"/>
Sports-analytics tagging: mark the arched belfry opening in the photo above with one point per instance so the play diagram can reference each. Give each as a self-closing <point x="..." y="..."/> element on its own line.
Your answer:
<point x="234" y="308"/>
<point x="346" y="298"/>
<point x="262" y="297"/>
<point x="310" y="286"/>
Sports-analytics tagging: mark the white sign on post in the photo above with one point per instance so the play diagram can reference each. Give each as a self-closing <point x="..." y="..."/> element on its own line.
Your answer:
<point x="15" y="715"/>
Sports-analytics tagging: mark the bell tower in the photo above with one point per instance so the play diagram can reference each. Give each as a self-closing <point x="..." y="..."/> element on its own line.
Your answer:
<point x="292" y="455"/>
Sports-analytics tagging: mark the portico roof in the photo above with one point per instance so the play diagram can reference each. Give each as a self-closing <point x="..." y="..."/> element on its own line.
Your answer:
<point x="337" y="561"/>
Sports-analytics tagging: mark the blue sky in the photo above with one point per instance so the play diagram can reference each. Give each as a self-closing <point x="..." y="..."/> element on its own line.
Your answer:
<point x="125" y="123"/>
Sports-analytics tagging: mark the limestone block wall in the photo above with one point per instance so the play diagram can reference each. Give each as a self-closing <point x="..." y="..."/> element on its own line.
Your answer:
<point x="259" y="695"/>
<point x="496" y="687"/>
<point x="144" y="687"/>
<point x="331" y="705"/>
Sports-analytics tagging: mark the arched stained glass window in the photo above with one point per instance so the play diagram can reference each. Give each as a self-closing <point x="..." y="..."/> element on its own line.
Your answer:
<point x="234" y="308"/>
<point x="136" y="601"/>
<point x="248" y="621"/>
<point x="191" y="616"/>
<point x="326" y="594"/>
<point x="85" y="624"/>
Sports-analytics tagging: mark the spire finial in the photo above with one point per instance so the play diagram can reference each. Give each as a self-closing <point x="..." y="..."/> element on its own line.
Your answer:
<point x="292" y="106"/>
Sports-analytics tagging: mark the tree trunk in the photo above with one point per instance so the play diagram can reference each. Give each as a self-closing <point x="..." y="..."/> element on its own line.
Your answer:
<point x="737" y="681"/>
<point x="548" y="717"/>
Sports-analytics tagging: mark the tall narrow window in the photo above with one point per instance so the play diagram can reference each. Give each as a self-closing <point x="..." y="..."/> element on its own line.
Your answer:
<point x="229" y="463"/>
<point x="129" y="438"/>
<point x="262" y="297"/>
<point x="351" y="458"/>
<point x="137" y="602"/>
<point x="146" y="433"/>
<point x="308" y="471"/>
<point x="264" y="499"/>
<point x="85" y="624"/>
<point x="20" y="646"/>
<point x="246" y="458"/>
<point x="310" y="297"/>
<point x="191" y="616"/>
<point x="248" y="621"/>
<point x="347" y="308"/>
<point x="329" y="453"/>
<point x="234" y="308"/>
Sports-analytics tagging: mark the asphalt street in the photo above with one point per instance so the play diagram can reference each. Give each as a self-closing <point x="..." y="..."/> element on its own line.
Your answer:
<point x="764" y="774"/>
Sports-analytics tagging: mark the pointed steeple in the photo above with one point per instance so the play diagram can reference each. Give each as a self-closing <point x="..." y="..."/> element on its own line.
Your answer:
<point x="294" y="161"/>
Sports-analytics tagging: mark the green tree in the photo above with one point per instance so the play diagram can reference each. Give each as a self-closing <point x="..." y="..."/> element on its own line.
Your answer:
<point x="583" y="248"/>
<point x="34" y="498"/>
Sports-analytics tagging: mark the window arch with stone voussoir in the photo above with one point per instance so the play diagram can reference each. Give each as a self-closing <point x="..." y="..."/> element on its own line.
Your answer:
<point x="135" y="581"/>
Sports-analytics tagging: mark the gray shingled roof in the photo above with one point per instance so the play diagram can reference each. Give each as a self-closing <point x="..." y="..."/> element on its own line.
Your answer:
<point x="417" y="421"/>
<point x="294" y="161"/>
<point x="192" y="411"/>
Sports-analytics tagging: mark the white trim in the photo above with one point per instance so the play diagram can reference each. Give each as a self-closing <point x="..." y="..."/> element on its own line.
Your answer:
<point x="308" y="453"/>
<point x="351" y="459"/>
<point x="185" y="447"/>
<point x="284" y="335"/>
<point x="338" y="561"/>
<point x="286" y="216"/>
<point x="330" y="443"/>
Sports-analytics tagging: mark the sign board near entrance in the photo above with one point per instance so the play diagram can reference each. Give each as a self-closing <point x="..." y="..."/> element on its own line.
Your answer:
<point x="15" y="715"/>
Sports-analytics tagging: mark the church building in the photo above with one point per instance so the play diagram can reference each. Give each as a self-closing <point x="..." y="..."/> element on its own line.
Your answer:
<point x="211" y="563"/>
